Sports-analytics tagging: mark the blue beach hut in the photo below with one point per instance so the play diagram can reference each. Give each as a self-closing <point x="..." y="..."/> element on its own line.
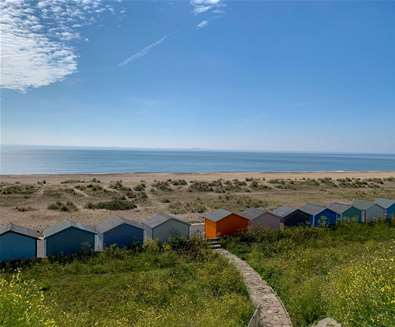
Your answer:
<point x="69" y="238"/>
<point x="17" y="243"/>
<point x="341" y="209"/>
<point x="318" y="214"/>
<point x="120" y="232"/>
<point x="389" y="206"/>
<point x="291" y="216"/>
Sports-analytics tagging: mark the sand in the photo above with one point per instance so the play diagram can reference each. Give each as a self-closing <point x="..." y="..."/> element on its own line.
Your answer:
<point x="38" y="216"/>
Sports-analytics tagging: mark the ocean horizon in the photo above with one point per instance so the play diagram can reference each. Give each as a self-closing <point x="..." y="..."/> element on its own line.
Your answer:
<point x="23" y="160"/>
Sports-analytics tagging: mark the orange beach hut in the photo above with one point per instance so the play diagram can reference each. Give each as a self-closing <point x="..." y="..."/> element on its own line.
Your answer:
<point x="223" y="222"/>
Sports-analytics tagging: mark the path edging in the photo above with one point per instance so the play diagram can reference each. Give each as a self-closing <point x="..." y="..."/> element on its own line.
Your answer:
<point x="272" y="312"/>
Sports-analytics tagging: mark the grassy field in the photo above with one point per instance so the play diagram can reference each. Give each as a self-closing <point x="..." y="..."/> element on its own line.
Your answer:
<point x="182" y="284"/>
<point x="37" y="201"/>
<point x="347" y="273"/>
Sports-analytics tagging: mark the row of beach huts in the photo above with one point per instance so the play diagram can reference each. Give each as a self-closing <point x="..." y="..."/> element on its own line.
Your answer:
<point x="67" y="238"/>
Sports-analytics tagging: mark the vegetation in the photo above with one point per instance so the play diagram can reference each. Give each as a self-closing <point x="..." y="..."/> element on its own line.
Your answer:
<point x="178" y="284"/>
<point x="346" y="273"/>
<point x="190" y="196"/>
<point x="24" y="189"/>
<point x="22" y="303"/>
<point x="115" y="204"/>
<point x="61" y="206"/>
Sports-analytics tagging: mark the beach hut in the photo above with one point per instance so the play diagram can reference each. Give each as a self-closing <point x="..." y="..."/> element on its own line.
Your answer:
<point x="292" y="216"/>
<point x="68" y="238"/>
<point x="120" y="232"/>
<point x="197" y="230"/>
<point x="319" y="214"/>
<point x="17" y="243"/>
<point x="261" y="218"/>
<point x="223" y="222"/>
<point x="163" y="227"/>
<point x="352" y="214"/>
<point x="370" y="211"/>
<point x="339" y="208"/>
<point x="389" y="207"/>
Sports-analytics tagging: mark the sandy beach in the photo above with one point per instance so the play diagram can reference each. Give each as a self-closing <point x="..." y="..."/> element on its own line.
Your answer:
<point x="149" y="177"/>
<point x="26" y="199"/>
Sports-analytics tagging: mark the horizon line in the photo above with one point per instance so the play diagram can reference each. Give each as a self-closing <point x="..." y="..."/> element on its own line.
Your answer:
<point x="197" y="149"/>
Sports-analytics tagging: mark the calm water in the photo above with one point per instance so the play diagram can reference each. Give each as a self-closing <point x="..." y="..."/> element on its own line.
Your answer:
<point x="46" y="160"/>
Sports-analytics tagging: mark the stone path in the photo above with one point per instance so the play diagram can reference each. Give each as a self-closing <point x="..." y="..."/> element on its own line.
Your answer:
<point x="272" y="311"/>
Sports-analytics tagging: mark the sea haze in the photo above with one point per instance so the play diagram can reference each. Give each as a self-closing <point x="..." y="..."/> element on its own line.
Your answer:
<point x="53" y="160"/>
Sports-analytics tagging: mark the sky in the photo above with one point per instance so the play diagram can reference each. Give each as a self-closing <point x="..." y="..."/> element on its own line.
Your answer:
<point x="211" y="74"/>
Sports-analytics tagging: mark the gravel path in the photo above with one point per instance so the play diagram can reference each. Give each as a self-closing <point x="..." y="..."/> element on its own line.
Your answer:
<point x="272" y="310"/>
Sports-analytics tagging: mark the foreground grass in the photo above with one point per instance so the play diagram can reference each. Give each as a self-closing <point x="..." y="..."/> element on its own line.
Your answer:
<point x="347" y="273"/>
<point x="187" y="286"/>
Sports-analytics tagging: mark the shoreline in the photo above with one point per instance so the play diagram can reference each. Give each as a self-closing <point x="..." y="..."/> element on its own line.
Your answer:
<point x="200" y="175"/>
<point x="269" y="172"/>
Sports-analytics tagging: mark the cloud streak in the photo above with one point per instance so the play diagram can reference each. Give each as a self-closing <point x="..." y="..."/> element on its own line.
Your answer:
<point x="143" y="52"/>
<point x="202" y="6"/>
<point x="202" y="24"/>
<point x="36" y="39"/>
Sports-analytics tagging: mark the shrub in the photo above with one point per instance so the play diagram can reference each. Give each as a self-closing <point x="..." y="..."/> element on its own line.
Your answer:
<point x="162" y="186"/>
<point x="115" y="204"/>
<point x="140" y="187"/>
<point x="23" y="189"/>
<point x="67" y="207"/>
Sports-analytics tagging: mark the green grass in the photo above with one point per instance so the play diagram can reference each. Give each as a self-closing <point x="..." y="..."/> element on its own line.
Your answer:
<point x="347" y="273"/>
<point x="175" y="285"/>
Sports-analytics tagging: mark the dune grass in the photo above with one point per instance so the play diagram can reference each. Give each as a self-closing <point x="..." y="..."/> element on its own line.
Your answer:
<point x="171" y="285"/>
<point x="347" y="273"/>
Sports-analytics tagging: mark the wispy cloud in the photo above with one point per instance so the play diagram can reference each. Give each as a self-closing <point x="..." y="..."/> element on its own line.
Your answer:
<point x="141" y="53"/>
<point x="202" y="24"/>
<point x="202" y="6"/>
<point x="36" y="39"/>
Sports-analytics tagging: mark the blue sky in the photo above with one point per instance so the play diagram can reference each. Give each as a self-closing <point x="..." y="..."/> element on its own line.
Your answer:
<point x="213" y="74"/>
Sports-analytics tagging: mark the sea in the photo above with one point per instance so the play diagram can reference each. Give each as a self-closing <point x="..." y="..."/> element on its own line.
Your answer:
<point x="21" y="160"/>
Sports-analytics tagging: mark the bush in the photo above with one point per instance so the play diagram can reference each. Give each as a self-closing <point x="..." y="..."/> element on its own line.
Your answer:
<point x="139" y="187"/>
<point x="115" y="204"/>
<point x="162" y="186"/>
<point x="66" y="207"/>
<point x="23" y="189"/>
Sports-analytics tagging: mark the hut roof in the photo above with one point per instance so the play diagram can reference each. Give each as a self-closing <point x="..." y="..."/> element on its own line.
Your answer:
<point x="114" y="222"/>
<point x="18" y="229"/>
<point x="384" y="203"/>
<point x="362" y="204"/>
<point x="339" y="208"/>
<point x="252" y="213"/>
<point x="217" y="215"/>
<point x="284" y="211"/>
<point x="312" y="209"/>
<point x="54" y="229"/>
<point x="160" y="218"/>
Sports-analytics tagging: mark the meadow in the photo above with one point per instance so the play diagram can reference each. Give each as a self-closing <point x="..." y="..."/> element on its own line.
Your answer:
<point x="178" y="284"/>
<point x="347" y="273"/>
